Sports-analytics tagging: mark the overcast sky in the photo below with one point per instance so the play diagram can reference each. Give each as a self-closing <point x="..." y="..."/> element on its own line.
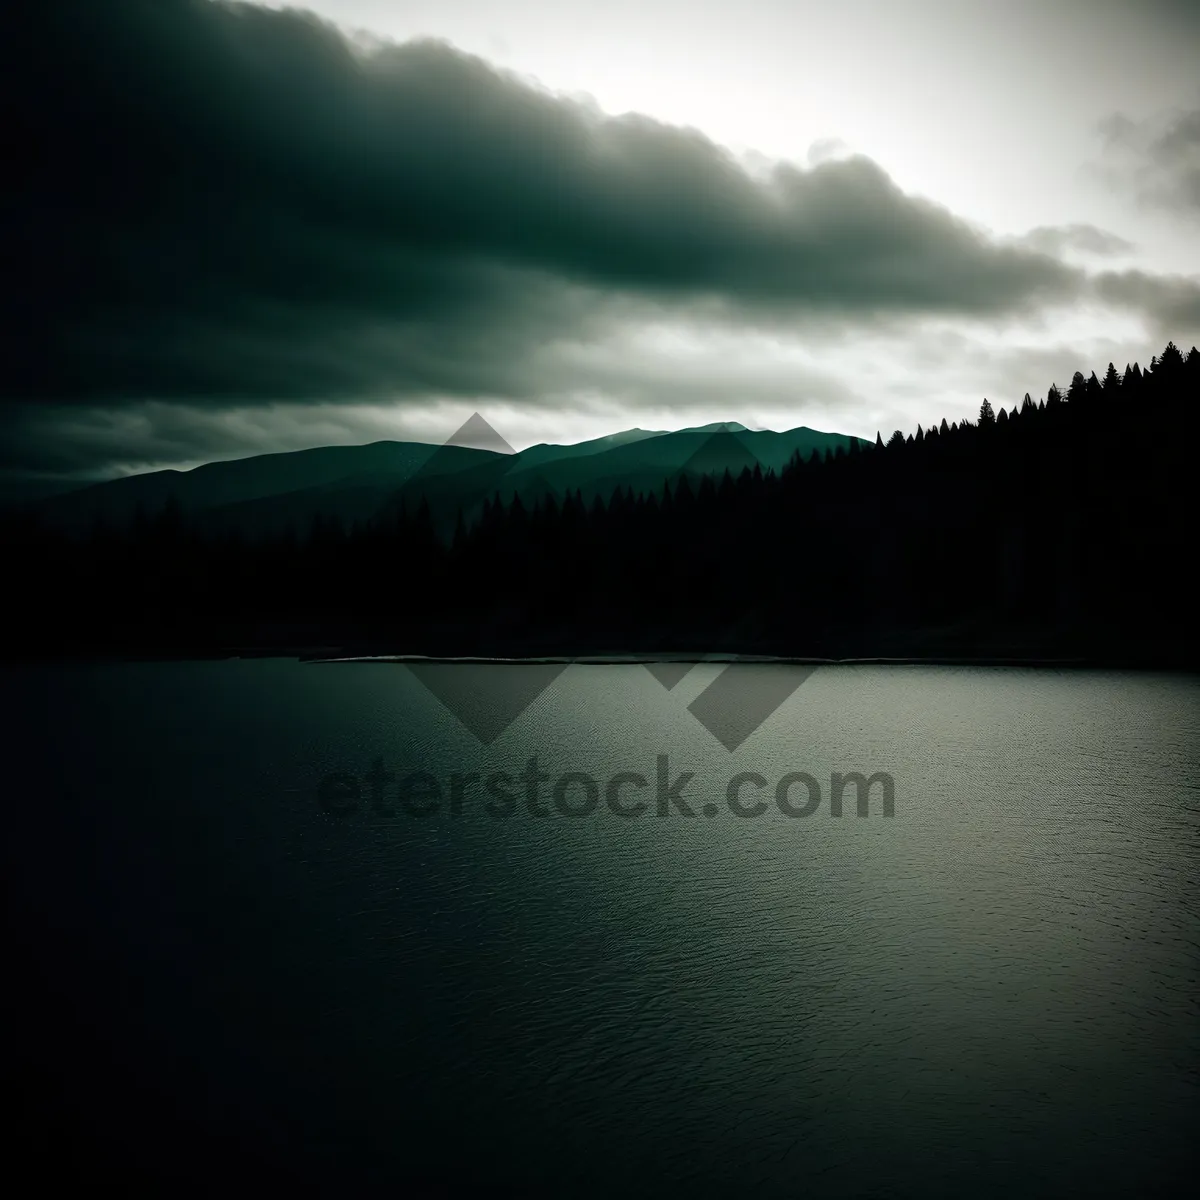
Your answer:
<point x="240" y="229"/>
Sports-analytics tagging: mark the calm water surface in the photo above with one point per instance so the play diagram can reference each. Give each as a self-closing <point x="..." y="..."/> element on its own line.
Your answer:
<point x="993" y="990"/>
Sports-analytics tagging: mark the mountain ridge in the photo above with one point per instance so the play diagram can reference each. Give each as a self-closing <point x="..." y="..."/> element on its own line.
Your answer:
<point x="271" y="492"/>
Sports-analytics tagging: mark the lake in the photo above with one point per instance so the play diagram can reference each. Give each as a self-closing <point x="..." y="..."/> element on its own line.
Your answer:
<point x="328" y="917"/>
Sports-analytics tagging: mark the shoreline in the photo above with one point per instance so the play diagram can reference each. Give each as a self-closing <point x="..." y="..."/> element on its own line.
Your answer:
<point x="604" y="660"/>
<point x="1145" y="660"/>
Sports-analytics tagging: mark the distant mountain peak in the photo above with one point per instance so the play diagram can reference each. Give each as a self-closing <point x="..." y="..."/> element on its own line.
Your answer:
<point x="268" y="494"/>
<point x="476" y="434"/>
<point x="717" y="427"/>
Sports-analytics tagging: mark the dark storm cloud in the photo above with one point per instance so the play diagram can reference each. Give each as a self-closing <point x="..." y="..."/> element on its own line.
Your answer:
<point x="221" y="207"/>
<point x="224" y="202"/>
<point x="68" y="440"/>
<point x="1161" y="155"/>
<point x="1170" y="303"/>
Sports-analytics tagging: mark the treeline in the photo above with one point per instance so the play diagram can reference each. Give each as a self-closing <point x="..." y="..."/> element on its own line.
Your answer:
<point x="1062" y="528"/>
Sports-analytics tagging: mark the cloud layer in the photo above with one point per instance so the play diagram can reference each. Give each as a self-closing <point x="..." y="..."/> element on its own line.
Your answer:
<point x="1160" y="156"/>
<point x="223" y="205"/>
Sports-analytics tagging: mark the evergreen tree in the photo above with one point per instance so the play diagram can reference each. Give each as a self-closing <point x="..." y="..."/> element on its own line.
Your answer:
<point x="726" y="489"/>
<point x="1171" y="359"/>
<point x="987" y="418"/>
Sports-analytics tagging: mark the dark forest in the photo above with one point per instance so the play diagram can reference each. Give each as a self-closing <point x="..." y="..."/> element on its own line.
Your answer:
<point x="1062" y="529"/>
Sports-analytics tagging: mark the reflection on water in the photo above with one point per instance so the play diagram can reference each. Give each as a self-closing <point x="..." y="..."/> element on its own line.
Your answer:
<point x="991" y="990"/>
